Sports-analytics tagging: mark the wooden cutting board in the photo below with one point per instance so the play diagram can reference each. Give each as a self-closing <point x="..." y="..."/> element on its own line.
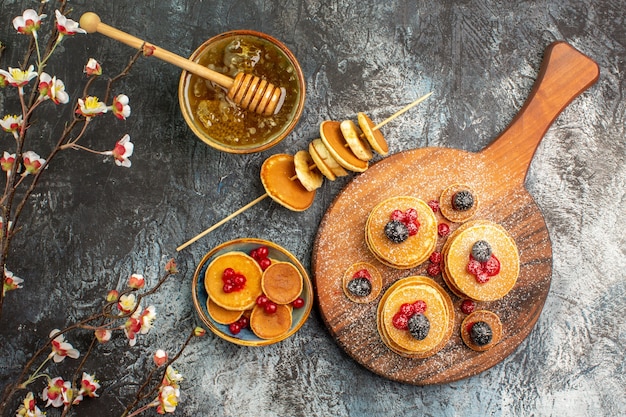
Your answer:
<point x="497" y="173"/>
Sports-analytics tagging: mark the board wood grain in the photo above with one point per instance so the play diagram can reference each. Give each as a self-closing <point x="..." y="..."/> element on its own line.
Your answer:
<point x="497" y="173"/>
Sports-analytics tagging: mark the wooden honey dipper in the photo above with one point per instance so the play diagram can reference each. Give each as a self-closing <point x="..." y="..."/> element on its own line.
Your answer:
<point x="246" y="90"/>
<point x="279" y="173"/>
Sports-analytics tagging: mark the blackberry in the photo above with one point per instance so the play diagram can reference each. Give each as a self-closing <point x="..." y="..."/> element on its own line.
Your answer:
<point x="462" y="200"/>
<point x="481" y="333"/>
<point x="481" y="251"/>
<point x="396" y="231"/>
<point x="419" y="326"/>
<point x="361" y="287"/>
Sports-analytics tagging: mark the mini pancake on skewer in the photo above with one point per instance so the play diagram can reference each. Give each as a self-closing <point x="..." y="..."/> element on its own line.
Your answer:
<point x="306" y="170"/>
<point x="329" y="160"/>
<point x="354" y="137"/>
<point x="374" y="136"/>
<point x="278" y="175"/>
<point x="330" y="132"/>
<point x="319" y="163"/>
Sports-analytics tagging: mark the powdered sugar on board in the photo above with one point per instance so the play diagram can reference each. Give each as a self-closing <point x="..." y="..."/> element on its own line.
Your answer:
<point x="425" y="173"/>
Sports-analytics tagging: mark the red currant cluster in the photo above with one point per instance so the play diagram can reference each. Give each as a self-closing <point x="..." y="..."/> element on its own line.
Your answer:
<point x="434" y="268"/>
<point x="408" y="218"/>
<point x="362" y="273"/>
<point x="407" y="310"/>
<point x="233" y="281"/>
<point x="260" y="255"/>
<point x="483" y="271"/>
<point x="239" y="325"/>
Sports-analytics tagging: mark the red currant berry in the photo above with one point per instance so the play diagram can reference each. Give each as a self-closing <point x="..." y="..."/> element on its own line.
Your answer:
<point x="397" y="215"/>
<point x="243" y="322"/>
<point x="492" y="266"/>
<point x="474" y="267"/>
<point x="433" y="269"/>
<point x="228" y="288"/>
<point x="482" y="277"/>
<point x="261" y="300"/>
<point x="254" y="253"/>
<point x="400" y="321"/>
<point x="298" y="302"/>
<point x="419" y="306"/>
<point x="467" y="306"/>
<point x="434" y="205"/>
<point x="407" y="309"/>
<point x="228" y="273"/>
<point x="240" y="280"/>
<point x="435" y="257"/>
<point x="443" y="229"/>
<point x="262" y="252"/>
<point x="234" y="328"/>
<point x="270" y="307"/>
<point x="362" y="273"/>
<point x="265" y="263"/>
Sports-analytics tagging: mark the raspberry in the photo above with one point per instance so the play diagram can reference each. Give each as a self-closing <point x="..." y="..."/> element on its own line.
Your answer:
<point x="407" y="309"/>
<point x="410" y="215"/>
<point x="474" y="267"/>
<point x="397" y="215"/>
<point x="462" y="200"/>
<point x="433" y="269"/>
<point x="298" y="302"/>
<point x="443" y="229"/>
<point x="435" y="257"/>
<point x="400" y="321"/>
<point x="467" y="306"/>
<point x="492" y="266"/>
<point x="434" y="205"/>
<point x="362" y="273"/>
<point x="482" y="277"/>
<point x="396" y="231"/>
<point x="419" y="326"/>
<point x="419" y="306"/>
<point x="413" y="227"/>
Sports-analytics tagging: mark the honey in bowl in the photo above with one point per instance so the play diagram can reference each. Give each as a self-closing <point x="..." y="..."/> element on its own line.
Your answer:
<point x="215" y="118"/>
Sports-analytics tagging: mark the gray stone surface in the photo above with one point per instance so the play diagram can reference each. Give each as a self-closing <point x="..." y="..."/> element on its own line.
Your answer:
<point x="91" y="224"/>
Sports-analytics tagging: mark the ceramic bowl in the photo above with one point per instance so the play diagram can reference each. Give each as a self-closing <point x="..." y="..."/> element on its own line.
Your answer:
<point x="235" y="130"/>
<point x="246" y="337"/>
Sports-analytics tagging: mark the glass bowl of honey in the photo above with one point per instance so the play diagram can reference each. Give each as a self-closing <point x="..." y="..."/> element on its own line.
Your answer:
<point x="215" y="118"/>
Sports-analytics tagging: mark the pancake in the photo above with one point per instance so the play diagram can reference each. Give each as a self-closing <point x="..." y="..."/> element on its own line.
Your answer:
<point x="270" y="326"/>
<point x="415" y="249"/>
<point x="277" y="176"/>
<point x="320" y="164"/>
<point x="237" y="300"/>
<point x="374" y="137"/>
<point x="485" y="316"/>
<point x="457" y="254"/>
<point x="375" y="279"/>
<point x="281" y="282"/>
<point x="449" y="211"/>
<point x="330" y="133"/>
<point x="329" y="160"/>
<point x="439" y="311"/>
<point x="354" y="138"/>
<point x="310" y="177"/>
<point x="220" y="314"/>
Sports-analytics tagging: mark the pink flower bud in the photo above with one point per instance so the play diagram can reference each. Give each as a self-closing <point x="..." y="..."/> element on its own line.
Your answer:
<point x="112" y="296"/>
<point x="199" y="331"/>
<point x="171" y="267"/>
<point x="103" y="335"/>
<point x="160" y="357"/>
<point x="136" y="281"/>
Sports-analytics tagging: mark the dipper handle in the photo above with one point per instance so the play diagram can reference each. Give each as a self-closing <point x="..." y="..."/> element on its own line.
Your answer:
<point x="246" y="90"/>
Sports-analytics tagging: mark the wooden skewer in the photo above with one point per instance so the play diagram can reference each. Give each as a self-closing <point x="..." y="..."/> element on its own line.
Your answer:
<point x="246" y="90"/>
<point x="258" y="199"/>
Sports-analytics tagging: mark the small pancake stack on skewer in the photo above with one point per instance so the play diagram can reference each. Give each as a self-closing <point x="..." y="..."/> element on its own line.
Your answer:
<point x="292" y="180"/>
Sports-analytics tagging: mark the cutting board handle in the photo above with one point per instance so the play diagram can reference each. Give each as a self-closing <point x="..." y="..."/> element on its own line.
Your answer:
<point x="565" y="73"/>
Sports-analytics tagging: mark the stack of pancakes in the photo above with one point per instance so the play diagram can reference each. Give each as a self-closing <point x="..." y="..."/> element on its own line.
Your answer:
<point x="439" y="311"/>
<point x="281" y="283"/>
<point x="415" y="249"/>
<point x="456" y="255"/>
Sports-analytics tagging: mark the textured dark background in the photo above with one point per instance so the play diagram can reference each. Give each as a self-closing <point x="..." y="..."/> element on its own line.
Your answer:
<point x="92" y="224"/>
